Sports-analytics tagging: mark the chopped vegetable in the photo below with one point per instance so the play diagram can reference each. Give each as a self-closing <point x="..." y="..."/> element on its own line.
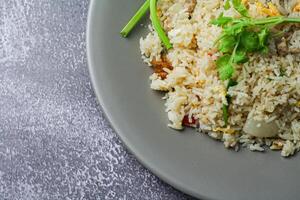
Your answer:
<point x="187" y="122"/>
<point x="261" y="129"/>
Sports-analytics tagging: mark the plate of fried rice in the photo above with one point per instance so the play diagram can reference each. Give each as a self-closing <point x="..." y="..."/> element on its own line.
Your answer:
<point x="205" y="93"/>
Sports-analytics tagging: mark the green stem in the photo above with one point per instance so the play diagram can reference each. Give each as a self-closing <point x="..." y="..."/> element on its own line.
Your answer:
<point x="276" y="20"/>
<point x="225" y="110"/>
<point x="292" y="20"/>
<point x="268" y="20"/>
<point x="135" y="19"/>
<point x="157" y="25"/>
<point x="234" y="50"/>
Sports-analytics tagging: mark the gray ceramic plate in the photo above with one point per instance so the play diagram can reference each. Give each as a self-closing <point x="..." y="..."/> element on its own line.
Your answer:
<point x="189" y="161"/>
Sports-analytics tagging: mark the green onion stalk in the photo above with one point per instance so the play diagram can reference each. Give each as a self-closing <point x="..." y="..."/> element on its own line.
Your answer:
<point x="149" y="4"/>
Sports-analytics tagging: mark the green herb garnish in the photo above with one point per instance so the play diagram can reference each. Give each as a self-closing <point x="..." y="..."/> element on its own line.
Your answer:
<point x="241" y="36"/>
<point x="157" y="26"/>
<point x="135" y="19"/>
<point x="221" y="20"/>
<point x="149" y="4"/>
<point x="225" y="67"/>
<point x="240" y="56"/>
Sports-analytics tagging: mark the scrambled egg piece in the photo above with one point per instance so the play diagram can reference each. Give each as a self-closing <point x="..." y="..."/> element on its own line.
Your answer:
<point x="225" y="130"/>
<point x="297" y="7"/>
<point x="298" y="104"/>
<point x="271" y="10"/>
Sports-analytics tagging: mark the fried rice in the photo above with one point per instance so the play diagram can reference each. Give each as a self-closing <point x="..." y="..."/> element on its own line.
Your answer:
<point x="268" y="88"/>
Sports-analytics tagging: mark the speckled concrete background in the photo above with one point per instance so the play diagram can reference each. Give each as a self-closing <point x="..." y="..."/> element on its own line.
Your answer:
<point x="54" y="140"/>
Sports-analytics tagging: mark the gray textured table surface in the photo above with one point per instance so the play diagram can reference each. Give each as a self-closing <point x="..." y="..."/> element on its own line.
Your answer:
<point x="55" y="142"/>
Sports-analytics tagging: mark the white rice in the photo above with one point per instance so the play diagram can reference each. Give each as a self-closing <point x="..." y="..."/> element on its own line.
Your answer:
<point x="194" y="89"/>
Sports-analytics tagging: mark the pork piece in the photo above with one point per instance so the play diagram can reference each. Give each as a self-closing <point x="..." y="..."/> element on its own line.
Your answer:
<point x="158" y="67"/>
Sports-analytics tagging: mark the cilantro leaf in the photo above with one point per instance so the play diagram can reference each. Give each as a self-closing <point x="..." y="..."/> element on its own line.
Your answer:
<point x="263" y="37"/>
<point x="235" y="29"/>
<point x="225" y="67"/>
<point x="240" y="56"/>
<point x="240" y="7"/>
<point x="221" y="20"/>
<point x="226" y="72"/>
<point x="250" y="41"/>
<point x="227" y="43"/>
<point x="223" y="60"/>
